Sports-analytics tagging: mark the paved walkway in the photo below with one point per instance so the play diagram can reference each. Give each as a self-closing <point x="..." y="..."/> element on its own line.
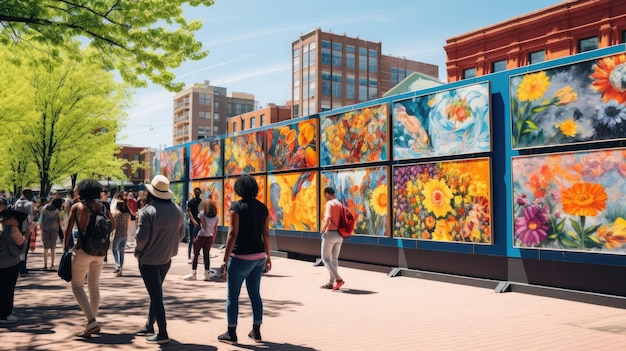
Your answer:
<point x="373" y="312"/>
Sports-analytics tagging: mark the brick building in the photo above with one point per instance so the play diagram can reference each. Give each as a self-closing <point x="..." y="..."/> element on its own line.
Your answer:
<point x="262" y="117"/>
<point x="331" y="70"/>
<point x="202" y="110"/>
<point x="139" y="154"/>
<point x="564" y="29"/>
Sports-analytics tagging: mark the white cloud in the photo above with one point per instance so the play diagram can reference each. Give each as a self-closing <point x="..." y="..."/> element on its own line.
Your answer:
<point x="260" y="71"/>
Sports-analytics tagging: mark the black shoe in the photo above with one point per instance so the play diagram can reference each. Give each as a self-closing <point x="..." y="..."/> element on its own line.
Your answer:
<point x="230" y="337"/>
<point x="255" y="334"/>
<point x="158" y="339"/>
<point x="145" y="331"/>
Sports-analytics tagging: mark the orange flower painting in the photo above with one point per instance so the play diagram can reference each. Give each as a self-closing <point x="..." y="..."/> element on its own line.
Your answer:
<point x="293" y="201"/>
<point x="230" y="196"/>
<point x="173" y="164"/>
<point x="244" y="154"/>
<point x="293" y="147"/>
<point x="571" y="201"/>
<point x="206" y="159"/>
<point x="358" y="136"/>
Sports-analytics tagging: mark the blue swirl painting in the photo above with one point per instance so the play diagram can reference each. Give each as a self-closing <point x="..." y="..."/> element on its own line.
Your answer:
<point x="445" y="123"/>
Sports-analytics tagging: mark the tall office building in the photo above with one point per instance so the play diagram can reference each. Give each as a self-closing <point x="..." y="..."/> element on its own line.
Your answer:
<point x="331" y="71"/>
<point x="202" y="110"/>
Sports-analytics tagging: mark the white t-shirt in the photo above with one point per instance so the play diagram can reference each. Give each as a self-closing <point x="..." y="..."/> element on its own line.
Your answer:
<point x="208" y="224"/>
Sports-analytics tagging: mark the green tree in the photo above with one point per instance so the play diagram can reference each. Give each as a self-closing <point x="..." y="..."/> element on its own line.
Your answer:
<point x="140" y="39"/>
<point x="69" y="124"/>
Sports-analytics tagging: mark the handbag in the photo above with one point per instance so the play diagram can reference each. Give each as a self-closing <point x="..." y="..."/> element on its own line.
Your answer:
<point x="65" y="266"/>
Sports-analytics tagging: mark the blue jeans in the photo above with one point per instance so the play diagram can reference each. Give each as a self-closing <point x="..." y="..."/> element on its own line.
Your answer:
<point x="193" y="232"/>
<point x="119" y="244"/>
<point x="331" y="247"/>
<point x="153" y="277"/>
<point x="250" y="271"/>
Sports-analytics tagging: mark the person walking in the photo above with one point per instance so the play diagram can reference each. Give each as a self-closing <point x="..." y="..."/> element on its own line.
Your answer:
<point x="26" y="206"/>
<point x="161" y="228"/>
<point x="331" y="239"/>
<point x="84" y="265"/>
<point x="11" y="242"/>
<point x="208" y="223"/>
<point x="122" y="221"/>
<point x="132" y="205"/>
<point x="51" y="224"/>
<point x="193" y="208"/>
<point x="246" y="257"/>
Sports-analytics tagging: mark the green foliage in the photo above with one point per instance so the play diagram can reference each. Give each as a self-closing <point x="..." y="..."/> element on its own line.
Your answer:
<point x="140" y="39"/>
<point x="65" y="122"/>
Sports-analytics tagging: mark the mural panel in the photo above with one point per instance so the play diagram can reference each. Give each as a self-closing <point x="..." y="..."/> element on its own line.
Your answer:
<point x="206" y="159"/>
<point x="358" y="136"/>
<point x="571" y="201"/>
<point x="582" y="102"/>
<point x="293" y="201"/>
<point x="365" y="192"/>
<point x="244" y="154"/>
<point x="293" y="147"/>
<point x="450" y="122"/>
<point x="443" y="201"/>
<point x="230" y="196"/>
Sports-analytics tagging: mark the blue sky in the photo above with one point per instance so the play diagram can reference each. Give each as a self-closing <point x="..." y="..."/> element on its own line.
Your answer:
<point x="250" y="45"/>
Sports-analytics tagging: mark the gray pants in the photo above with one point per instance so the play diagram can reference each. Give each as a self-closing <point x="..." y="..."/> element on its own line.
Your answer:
<point x="331" y="247"/>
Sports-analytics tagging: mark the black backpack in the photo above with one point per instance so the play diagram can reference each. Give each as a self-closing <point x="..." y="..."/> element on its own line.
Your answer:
<point x="97" y="238"/>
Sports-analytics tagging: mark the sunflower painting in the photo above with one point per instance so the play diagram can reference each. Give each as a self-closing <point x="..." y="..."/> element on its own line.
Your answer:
<point x="293" y="146"/>
<point x="443" y="201"/>
<point x="206" y="159"/>
<point x="582" y="102"/>
<point x="173" y="164"/>
<point x="571" y="201"/>
<point x="358" y="136"/>
<point x="365" y="192"/>
<point x="179" y="193"/>
<point x="230" y="196"/>
<point x="293" y="200"/>
<point x="244" y="154"/>
<point x="211" y="189"/>
<point x="445" y="123"/>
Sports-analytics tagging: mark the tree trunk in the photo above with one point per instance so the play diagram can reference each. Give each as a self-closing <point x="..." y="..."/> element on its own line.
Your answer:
<point x="74" y="177"/>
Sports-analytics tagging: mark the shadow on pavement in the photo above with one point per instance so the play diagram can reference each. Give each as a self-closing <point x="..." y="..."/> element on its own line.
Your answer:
<point x="109" y="339"/>
<point x="357" y="292"/>
<point x="276" y="346"/>
<point x="177" y="346"/>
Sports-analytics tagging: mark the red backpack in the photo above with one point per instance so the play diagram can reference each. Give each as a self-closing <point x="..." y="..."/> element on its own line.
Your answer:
<point x="346" y="222"/>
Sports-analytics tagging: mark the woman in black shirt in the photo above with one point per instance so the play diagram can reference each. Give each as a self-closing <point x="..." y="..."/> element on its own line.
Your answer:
<point x="247" y="256"/>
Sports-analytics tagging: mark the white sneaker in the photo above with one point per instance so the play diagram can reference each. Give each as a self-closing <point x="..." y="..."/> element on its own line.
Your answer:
<point x="190" y="276"/>
<point x="9" y="320"/>
<point x="190" y="261"/>
<point x="208" y="275"/>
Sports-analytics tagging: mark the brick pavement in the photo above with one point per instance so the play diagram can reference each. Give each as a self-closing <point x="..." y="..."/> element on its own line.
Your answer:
<point x="373" y="312"/>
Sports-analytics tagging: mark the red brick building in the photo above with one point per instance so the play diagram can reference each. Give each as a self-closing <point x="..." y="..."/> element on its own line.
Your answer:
<point x="568" y="28"/>
<point x="258" y="118"/>
<point x="139" y="154"/>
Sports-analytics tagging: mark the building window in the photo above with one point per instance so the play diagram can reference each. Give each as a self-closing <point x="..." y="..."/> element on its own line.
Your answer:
<point x="350" y="87"/>
<point x="469" y="73"/>
<point x="234" y="126"/>
<point x="587" y="44"/>
<point x="337" y="90"/>
<point x="216" y="130"/>
<point x="326" y="56"/>
<point x="498" y="66"/>
<point x="296" y="111"/>
<point x="362" y="92"/>
<point x="312" y="90"/>
<point x="305" y="60"/>
<point x="216" y="116"/>
<point x="252" y="122"/>
<point x="325" y="84"/>
<point x="373" y="53"/>
<point x="373" y="64"/>
<point x="624" y="36"/>
<point x="326" y="44"/>
<point x="136" y="157"/>
<point x="296" y="64"/>
<point x="536" y="57"/>
<point x="350" y="61"/>
<point x="363" y="59"/>
<point x="337" y="55"/>
<point x="296" y="93"/>
<point x="312" y="54"/>
<point x="216" y="104"/>
<point x="373" y="89"/>
<point x="263" y="121"/>
<point x="350" y="49"/>
<point x="126" y="157"/>
<point x="204" y="99"/>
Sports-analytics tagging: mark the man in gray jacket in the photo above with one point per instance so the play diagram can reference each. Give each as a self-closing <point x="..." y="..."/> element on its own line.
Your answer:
<point x="161" y="227"/>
